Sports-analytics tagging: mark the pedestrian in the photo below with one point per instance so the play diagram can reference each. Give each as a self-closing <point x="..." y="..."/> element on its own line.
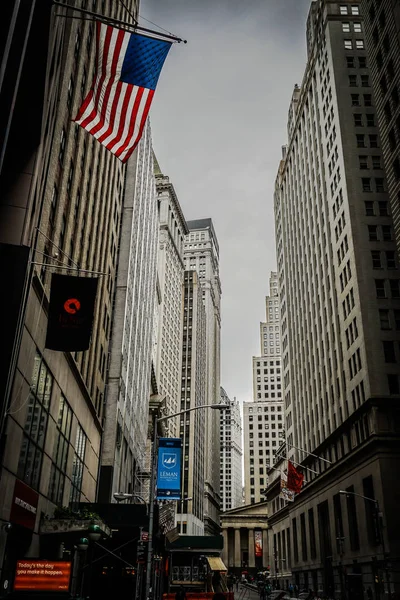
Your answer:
<point x="237" y="583"/>
<point x="181" y="593"/>
<point x="230" y="583"/>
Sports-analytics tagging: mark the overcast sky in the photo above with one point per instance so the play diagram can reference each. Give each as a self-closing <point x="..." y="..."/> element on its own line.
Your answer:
<point x="219" y="121"/>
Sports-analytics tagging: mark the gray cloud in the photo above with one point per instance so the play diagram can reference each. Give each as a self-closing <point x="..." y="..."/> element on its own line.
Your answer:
<point x="219" y="121"/>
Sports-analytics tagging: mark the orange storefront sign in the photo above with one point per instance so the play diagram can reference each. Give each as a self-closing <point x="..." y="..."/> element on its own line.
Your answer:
<point x="42" y="576"/>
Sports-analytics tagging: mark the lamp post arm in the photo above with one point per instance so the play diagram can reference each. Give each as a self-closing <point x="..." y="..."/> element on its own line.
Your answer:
<point x="360" y="496"/>
<point x="182" y="412"/>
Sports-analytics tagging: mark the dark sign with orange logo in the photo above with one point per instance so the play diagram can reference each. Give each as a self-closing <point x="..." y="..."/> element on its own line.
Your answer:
<point x="42" y="576"/>
<point x="71" y="311"/>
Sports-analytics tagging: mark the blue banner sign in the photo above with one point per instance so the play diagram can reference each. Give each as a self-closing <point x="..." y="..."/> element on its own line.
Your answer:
<point x="169" y="469"/>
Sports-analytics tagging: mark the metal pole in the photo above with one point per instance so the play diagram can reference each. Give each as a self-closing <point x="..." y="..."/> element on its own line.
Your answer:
<point x="152" y="490"/>
<point x="385" y="567"/>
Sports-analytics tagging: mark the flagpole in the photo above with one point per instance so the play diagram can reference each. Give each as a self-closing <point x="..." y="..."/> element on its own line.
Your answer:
<point x="134" y="26"/>
<point x="310" y="454"/>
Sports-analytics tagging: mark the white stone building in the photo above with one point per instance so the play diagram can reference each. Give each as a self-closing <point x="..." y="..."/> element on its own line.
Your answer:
<point x="202" y="255"/>
<point x="340" y="306"/>
<point x="128" y="388"/>
<point x="172" y="231"/>
<point x="231" y="454"/>
<point x="190" y="511"/>
<point x="263" y="420"/>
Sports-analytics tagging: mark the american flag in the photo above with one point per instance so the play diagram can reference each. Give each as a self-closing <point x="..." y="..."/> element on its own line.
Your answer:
<point x="127" y="70"/>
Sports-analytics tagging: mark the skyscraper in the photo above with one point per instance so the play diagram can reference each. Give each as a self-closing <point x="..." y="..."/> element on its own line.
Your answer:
<point x="382" y="23"/>
<point x="202" y="254"/>
<point x="263" y="420"/>
<point x="173" y="228"/>
<point x="61" y="196"/>
<point x="231" y="454"/>
<point x="128" y="386"/>
<point x="339" y="291"/>
<point x="190" y="510"/>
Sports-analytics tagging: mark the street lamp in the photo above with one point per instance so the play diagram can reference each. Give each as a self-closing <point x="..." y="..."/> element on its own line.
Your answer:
<point x="378" y="515"/>
<point x="154" y="459"/>
<point x="121" y="496"/>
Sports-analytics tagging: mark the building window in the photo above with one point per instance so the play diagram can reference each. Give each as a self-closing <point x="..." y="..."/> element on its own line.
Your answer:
<point x="393" y="384"/>
<point x="352" y="519"/>
<point x="295" y="541"/>
<point x="390" y="259"/>
<point x="353" y="80"/>
<point x="380" y="288"/>
<point x="77" y="467"/>
<point x="360" y="137"/>
<point x="350" y="62"/>
<point x="60" y="453"/>
<point x="303" y="537"/>
<point x="376" y="163"/>
<point x="355" y="100"/>
<point x="31" y="454"/>
<point x="346" y="27"/>
<point x="373" y="141"/>
<point x="348" y="44"/>
<point x="366" y="184"/>
<point x="389" y="352"/>
<point x="384" y="319"/>
<point x="343" y="9"/>
<point x="355" y="10"/>
<point x="357" y="28"/>
<point x="370" y="120"/>
<point x="63" y="137"/>
<point x="360" y="44"/>
<point x="376" y="259"/>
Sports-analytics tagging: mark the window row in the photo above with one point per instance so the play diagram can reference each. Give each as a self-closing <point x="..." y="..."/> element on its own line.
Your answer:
<point x="383" y="259"/>
<point x="380" y="233"/>
<point x="345" y="9"/>
<point x="357" y="44"/>
<point x="359" y="80"/>
<point x="387" y="288"/>
<point x="362" y="139"/>
<point x="353" y="26"/>
<point x="370" y="162"/>
<point x="353" y="62"/>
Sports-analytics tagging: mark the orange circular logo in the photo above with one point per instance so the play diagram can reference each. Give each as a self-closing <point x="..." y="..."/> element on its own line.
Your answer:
<point x="72" y="305"/>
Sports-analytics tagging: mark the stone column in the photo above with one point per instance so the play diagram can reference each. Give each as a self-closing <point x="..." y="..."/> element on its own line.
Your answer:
<point x="225" y="553"/>
<point x="265" y="548"/>
<point x="238" y="554"/>
<point x="252" y="561"/>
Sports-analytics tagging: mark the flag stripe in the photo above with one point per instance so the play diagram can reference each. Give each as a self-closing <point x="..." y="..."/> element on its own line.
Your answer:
<point x="110" y="86"/>
<point x="129" y="125"/>
<point x="125" y="154"/>
<point x="101" y="75"/>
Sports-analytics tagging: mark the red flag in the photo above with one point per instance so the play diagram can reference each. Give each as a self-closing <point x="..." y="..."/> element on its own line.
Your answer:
<point x="294" y="478"/>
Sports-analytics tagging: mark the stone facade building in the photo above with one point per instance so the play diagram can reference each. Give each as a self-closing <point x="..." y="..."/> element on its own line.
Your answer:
<point x="339" y="290"/>
<point x="190" y="517"/>
<point x="231" y="454"/>
<point x="202" y="254"/>
<point x="62" y="197"/>
<point x="130" y="362"/>
<point x="171" y="266"/>
<point x="245" y="533"/>
<point x="382" y="25"/>
<point x="263" y="419"/>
